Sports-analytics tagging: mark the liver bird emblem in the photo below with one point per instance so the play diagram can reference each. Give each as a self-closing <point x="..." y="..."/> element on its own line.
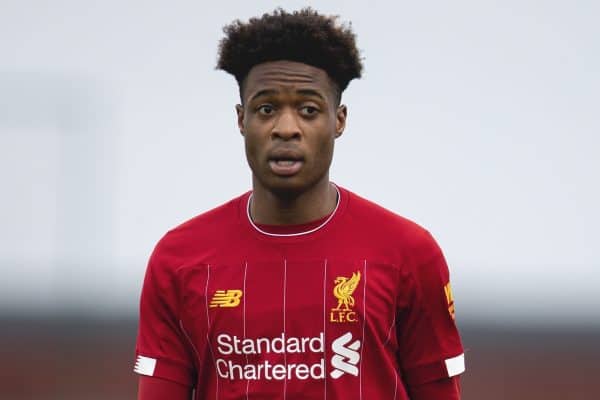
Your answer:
<point x="343" y="290"/>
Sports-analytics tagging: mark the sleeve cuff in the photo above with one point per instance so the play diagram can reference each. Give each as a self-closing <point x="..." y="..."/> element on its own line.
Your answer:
<point x="162" y="368"/>
<point x="437" y="370"/>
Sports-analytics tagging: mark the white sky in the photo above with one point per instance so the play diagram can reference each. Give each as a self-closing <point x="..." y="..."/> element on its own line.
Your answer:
<point x="477" y="119"/>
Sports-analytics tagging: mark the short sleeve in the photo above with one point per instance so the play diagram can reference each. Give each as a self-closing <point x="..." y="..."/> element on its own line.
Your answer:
<point x="162" y="348"/>
<point x="428" y="339"/>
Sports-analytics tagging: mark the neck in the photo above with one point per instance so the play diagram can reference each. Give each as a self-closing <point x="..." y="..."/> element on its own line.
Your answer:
<point x="271" y="208"/>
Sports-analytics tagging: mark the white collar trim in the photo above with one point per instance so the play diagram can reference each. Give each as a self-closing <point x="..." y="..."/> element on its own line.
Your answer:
<point x="337" y="205"/>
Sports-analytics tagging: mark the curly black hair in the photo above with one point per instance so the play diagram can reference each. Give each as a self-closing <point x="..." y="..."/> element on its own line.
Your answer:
<point x="304" y="36"/>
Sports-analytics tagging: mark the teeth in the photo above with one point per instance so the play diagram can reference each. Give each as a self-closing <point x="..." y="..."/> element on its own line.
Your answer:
<point x="285" y="163"/>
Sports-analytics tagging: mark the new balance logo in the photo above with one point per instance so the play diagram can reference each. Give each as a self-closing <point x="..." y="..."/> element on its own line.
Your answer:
<point x="346" y="356"/>
<point x="229" y="298"/>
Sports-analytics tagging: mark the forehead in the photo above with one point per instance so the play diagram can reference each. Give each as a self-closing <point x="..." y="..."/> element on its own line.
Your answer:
<point x="286" y="76"/>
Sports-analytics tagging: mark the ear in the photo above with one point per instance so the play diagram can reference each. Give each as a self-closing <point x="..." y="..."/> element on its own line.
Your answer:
<point x="239" y="109"/>
<point x="340" y="120"/>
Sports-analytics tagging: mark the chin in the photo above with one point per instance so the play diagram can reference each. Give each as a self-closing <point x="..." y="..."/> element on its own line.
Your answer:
<point x="291" y="186"/>
<point x="287" y="187"/>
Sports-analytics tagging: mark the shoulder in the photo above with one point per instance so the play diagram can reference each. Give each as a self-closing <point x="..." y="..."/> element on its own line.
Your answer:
<point x="206" y="224"/>
<point x="191" y="240"/>
<point x="373" y="217"/>
<point x="391" y="229"/>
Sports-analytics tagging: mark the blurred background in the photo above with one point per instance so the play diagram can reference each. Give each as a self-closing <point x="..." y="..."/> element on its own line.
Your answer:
<point x="477" y="119"/>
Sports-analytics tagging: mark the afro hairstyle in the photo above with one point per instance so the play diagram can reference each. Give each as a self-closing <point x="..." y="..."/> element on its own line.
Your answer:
<point x="303" y="36"/>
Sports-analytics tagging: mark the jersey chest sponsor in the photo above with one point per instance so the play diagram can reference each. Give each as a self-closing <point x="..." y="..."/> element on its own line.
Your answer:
<point x="294" y="320"/>
<point x="314" y="357"/>
<point x="344" y="357"/>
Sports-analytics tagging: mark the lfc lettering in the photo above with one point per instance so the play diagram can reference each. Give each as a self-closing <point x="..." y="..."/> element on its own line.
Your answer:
<point x="342" y="316"/>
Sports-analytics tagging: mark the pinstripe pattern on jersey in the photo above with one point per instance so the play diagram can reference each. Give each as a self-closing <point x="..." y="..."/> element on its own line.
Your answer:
<point x="284" y="332"/>
<point x="325" y="324"/>
<point x="208" y="332"/>
<point x="362" y="348"/>
<point x="244" y="320"/>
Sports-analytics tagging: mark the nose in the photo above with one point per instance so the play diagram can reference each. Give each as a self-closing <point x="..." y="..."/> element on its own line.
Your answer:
<point x="286" y="125"/>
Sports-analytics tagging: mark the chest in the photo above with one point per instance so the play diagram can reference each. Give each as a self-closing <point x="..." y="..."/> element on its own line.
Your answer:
<point x="294" y="298"/>
<point x="297" y="326"/>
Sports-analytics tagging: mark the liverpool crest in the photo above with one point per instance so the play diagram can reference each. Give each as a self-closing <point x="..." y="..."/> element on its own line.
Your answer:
<point x="343" y="290"/>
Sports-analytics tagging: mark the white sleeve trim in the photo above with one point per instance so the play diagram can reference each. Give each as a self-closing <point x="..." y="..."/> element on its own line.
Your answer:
<point x="145" y="365"/>
<point x="455" y="365"/>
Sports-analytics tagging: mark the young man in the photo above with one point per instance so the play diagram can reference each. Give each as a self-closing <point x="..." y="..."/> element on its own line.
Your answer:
<point x="298" y="289"/>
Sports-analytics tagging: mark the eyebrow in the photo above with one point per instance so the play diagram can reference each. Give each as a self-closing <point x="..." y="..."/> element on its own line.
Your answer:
<point x="312" y="92"/>
<point x="305" y="92"/>
<point x="264" y="92"/>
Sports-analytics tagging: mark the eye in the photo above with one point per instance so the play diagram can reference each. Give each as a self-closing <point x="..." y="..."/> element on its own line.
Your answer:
<point x="265" y="109"/>
<point x="309" y="111"/>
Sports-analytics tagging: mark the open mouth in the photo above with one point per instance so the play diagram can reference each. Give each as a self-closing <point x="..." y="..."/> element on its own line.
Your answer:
<point x="285" y="162"/>
<point x="285" y="167"/>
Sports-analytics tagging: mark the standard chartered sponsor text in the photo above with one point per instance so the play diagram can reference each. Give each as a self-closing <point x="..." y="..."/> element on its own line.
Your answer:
<point x="228" y="345"/>
<point x="270" y="371"/>
<point x="231" y="344"/>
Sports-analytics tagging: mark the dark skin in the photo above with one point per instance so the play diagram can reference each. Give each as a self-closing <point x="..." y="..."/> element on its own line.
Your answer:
<point x="290" y="110"/>
<point x="290" y="114"/>
<point x="290" y="117"/>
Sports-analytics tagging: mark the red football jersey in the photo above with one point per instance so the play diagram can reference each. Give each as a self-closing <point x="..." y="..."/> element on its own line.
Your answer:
<point x="356" y="306"/>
